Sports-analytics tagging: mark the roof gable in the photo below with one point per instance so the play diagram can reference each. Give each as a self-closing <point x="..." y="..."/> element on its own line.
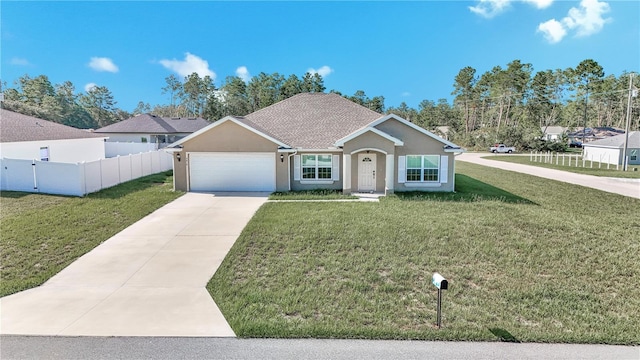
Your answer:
<point x="395" y="141"/>
<point x="222" y="121"/>
<point x="152" y="124"/>
<point x="18" y="127"/>
<point x="553" y="129"/>
<point x="446" y="143"/>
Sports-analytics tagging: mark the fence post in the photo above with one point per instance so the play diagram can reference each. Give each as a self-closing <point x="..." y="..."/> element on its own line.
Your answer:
<point x="119" y="174"/>
<point x="35" y="176"/>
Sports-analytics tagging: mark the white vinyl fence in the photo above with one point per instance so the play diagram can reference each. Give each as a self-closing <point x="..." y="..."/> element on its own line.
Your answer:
<point x="81" y="178"/>
<point x="113" y="149"/>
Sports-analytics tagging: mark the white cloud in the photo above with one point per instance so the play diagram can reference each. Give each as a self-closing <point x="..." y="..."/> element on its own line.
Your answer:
<point x="405" y="94"/>
<point x="191" y="64"/>
<point x="540" y="4"/>
<point x="323" y="71"/>
<point x="490" y="8"/>
<point x="588" y="19"/>
<point x="553" y="30"/>
<point x="103" y="64"/>
<point x="243" y="73"/>
<point x="19" y="61"/>
<point x="89" y="86"/>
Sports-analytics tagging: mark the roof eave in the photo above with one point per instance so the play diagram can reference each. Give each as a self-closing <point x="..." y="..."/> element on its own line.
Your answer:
<point x="224" y="120"/>
<point x="355" y="134"/>
<point x="413" y="126"/>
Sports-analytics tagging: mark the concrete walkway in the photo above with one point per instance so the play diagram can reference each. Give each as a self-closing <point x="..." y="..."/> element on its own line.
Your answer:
<point x="626" y="187"/>
<point x="148" y="280"/>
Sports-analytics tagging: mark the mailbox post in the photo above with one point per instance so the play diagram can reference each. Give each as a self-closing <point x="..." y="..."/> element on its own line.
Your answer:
<point x="442" y="284"/>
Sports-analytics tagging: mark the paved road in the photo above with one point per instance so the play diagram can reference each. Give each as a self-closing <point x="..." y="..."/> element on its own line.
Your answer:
<point x="626" y="187"/>
<point x="231" y="348"/>
<point x="147" y="280"/>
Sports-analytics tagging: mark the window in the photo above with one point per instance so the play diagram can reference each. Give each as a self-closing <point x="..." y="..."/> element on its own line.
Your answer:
<point x="634" y="155"/>
<point x="423" y="168"/>
<point x="316" y="167"/>
<point x="44" y="154"/>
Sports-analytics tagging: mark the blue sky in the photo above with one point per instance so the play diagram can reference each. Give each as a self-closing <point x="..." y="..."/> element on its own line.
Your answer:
<point x="404" y="51"/>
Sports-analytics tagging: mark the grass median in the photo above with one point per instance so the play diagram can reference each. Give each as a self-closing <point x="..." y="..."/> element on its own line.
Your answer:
<point x="594" y="169"/>
<point x="42" y="234"/>
<point x="528" y="259"/>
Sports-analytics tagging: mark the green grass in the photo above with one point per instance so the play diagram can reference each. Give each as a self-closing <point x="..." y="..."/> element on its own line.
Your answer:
<point x="528" y="259"/>
<point x="42" y="234"/>
<point x="603" y="171"/>
<point x="319" y="194"/>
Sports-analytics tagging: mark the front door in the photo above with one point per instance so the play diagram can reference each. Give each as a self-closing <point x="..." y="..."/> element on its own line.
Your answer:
<point x="366" y="172"/>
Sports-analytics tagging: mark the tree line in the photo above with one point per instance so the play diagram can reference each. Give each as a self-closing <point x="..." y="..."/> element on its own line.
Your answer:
<point x="509" y="104"/>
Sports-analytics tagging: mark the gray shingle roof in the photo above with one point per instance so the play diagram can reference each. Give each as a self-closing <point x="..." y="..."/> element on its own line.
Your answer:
<point x="15" y="127"/>
<point x="311" y="120"/>
<point x="553" y="129"/>
<point x="618" y="141"/>
<point x="152" y="124"/>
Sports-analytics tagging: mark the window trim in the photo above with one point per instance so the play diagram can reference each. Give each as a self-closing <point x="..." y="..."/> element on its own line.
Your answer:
<point x="422" y="169"/>
<point x="45" y="154"/>
<point x="316" y="167"/>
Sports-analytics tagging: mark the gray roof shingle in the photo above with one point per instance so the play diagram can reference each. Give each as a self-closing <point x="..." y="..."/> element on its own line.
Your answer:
<point x="152" y="124"/>
<point x="311" y="120"/>
<point x="15" y="127"/>
<point x="618" y="141"/>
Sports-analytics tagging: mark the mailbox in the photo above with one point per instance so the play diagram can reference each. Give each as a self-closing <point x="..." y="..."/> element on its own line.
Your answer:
<point x="442" y="284"/>
<point x="439" y="281"/>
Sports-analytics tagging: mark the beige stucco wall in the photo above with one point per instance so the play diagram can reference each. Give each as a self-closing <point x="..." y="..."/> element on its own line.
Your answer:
<point x="228" y="137"/>
<point x="371" y="142"/>
<point x="417" y="143"/>
<point x="381" y="161"/>
<point x="297" y="185"/>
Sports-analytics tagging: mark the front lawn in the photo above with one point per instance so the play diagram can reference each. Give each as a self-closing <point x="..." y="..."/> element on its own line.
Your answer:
<point x="587" y="170"/>
<point x="528" y="259"/>
<point x="42" y="234"/>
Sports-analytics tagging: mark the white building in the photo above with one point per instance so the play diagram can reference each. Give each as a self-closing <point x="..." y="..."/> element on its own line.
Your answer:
<point x="25" y="137"/>
<point x="610" y="150"/>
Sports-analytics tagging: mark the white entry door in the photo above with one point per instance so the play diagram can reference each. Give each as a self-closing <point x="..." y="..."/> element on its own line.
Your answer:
<point x="366" y="172"/>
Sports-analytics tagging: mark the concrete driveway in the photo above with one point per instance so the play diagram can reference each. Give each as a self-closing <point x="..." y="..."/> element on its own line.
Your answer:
<point x="626" y="187"/>
<point x="148" y="280"/>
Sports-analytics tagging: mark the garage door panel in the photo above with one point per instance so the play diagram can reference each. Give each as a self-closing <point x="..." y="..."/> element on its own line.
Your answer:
<point x="232" y="171"/>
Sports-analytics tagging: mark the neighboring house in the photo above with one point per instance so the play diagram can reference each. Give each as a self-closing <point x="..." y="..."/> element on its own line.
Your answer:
<point x="312" y="141"/>
<point x="443" y="131"/>
<point x="552" y="133"/>
<point x="148" y="128"/>
<point x="593" y="134"/>
<point x="610" y="150"/>
<point x="28" y="138"/>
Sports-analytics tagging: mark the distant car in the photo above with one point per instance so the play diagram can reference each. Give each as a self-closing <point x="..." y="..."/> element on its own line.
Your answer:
<point x="575" y="144"/>
<point x="502" y="148"/>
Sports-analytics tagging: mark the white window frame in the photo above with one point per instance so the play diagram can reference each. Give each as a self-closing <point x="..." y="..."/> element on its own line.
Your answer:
<point x="316" y="168"/>
<point x="44" y="153"/>
<point x="422" y="169"/>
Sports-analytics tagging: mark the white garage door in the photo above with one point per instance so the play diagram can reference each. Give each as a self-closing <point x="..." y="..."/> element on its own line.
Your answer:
<point x="232" y="171"/>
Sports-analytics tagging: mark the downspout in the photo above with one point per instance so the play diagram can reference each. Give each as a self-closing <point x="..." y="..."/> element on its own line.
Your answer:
<point x="289" y="168"/>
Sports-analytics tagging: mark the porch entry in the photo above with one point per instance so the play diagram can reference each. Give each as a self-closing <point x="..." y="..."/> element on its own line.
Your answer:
<point x="367" y="172"/>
